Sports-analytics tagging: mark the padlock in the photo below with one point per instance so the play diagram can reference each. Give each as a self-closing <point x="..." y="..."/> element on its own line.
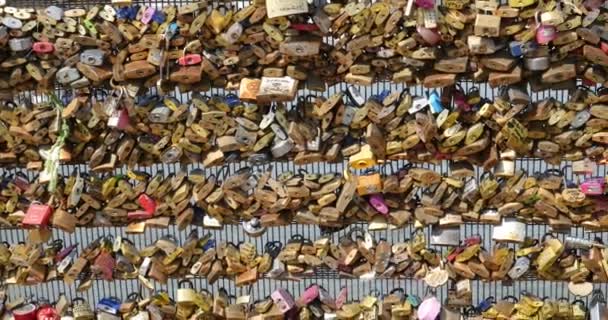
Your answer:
<point x="283" y="299"/>
<point x="363" y="159"/>
<point x="186" y="295"/>
<point x="92" y="57"/>
<point x="25" y="312"/>
<point x="42" y="47"/>
<point x="435" y="103"/>
<point x="369" y="183"/>
<point x="119" y="119"/>
<point x="310" y="294"/>
<point x="377" y="202"/>
<point x="521" y="266"/>
<point x="37" y="215"/>
<point x="110" y="305"/>
<point x="67" y="75"/>
<point x="20" y="44"/>
<point x="190" y="60"/>
<point x="593" y="186"/>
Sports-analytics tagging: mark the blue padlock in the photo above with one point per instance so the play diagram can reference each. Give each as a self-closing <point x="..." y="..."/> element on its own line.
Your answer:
<point x="110" y="305"/>
<point x="435" y="102"/>
<point x="414" y="300"/>
<point x="485" y="304"/>
<point x="209" y="245"/>
<point x="516" y="49"/>
<point x="172" y="30"/>
<point x="159" y="17"/>
<point x="232" y="100"/>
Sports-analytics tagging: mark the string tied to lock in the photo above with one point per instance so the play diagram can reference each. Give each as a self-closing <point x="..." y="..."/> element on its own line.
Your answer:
<point x="53" y="155"/>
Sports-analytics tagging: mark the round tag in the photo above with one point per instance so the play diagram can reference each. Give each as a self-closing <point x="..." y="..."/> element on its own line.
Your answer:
<point x="580" y="289"/>
<point x="436" y="277"/>
<point x="12" y="23"/>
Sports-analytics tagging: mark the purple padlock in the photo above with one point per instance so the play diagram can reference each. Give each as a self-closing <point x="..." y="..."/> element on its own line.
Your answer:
<point x="310" y="294"/>
<point x="544" y="33"/>
<point x="425" y="4"/>
<point x="377" y="201"/>
<point x="148" y="15"/>
<point x="283" y="299"/>
<point x="593" y="186"/>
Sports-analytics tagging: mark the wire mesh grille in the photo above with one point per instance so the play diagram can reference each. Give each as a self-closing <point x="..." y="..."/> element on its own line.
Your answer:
<point x="332" y="281"/>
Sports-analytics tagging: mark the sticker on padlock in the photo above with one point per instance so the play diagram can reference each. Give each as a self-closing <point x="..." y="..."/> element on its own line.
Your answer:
<point x="378" y="203"/>
<point x="418" y="104"/>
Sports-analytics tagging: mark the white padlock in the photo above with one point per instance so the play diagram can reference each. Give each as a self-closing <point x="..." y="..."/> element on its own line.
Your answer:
<point x="92" y="57"/>
<point x="67" y="75"/>
<point x="282" y="147"/>
<point x="20" y="44"/>
<point x="54" y="12"/>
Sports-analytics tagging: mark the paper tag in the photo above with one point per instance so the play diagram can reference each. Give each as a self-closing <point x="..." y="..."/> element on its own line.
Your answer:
<point x="278" y="8"/>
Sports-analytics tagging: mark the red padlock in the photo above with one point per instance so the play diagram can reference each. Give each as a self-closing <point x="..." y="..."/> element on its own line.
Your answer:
<point x="43" y="47"/>
<point x="190" y="59"/>
<point x="146" y="202"/>
<point x="139" y="215"/>
<point x="25" y="312"/>
<point x="47" y="312"/>
<point x="37" y="215"/>
<point x="104" y="265"/>
<point x="307" y="27"/>
<point x="119" y="119"/>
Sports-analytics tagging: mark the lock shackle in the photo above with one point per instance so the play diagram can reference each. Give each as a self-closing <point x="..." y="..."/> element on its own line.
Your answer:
<point x="512" y="298"/>
<point x="356" y="233"/>
<point x="581" y="303"/>
<point x="186" y="281"/>
<point x="297" y="238"/>
<point x="273" y="248"/>
<point x="78" y="299"/>
<point x="57" y="244"/>
<point x="134" y="296"/>
<point x="552" y="235"/>
<point x="470" y="311"/>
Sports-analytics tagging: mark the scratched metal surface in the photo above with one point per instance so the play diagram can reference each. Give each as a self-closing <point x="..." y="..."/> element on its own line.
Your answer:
<point x="330" y="280"/>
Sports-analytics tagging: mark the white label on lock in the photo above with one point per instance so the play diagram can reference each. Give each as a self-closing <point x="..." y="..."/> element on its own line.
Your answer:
<point x="279" y="8"/>
<point x="418" y="104"/>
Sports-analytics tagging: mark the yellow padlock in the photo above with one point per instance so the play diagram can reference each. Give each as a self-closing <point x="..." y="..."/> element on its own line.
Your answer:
<point x="364" y="159"/>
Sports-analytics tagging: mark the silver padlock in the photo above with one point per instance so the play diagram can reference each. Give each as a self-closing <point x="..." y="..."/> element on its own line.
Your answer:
<point x="20" y="44"/>
<point x="54" y="13"/>
<point x="355" y="96"/>
<point x="80" y="83"/>
<point x="12" y="22"/>
<point x="445" y="236"/>
<point x="278" y="131"/>
<point x="418" y="104"/>
<point x="580" y="119"/>
<point x="67" y="75"/>
<point x="258" y="159"/>
<point x="471" y="190"/>
<point x="281" y="147"/>
<point x="349" y="114"/>
<point x="92" y="57"/>
<point x="244" y="136"/>
<point x="233" y="33"/>
<point x="159" y="114"/>
<point x="521" y="266"/>
<point x="314" y="144"/>
<point x="597" y="308"/>
<point x="3" y="33"/>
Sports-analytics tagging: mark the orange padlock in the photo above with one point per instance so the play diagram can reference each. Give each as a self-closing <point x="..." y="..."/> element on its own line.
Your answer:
<point x="369" y="183"/>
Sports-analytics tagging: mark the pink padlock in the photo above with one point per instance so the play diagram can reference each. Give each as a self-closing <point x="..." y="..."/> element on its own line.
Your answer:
<point x="310" y="295"/>
<point x="139" y="215"/>
<point x="593" y="186"/>
<point x="460" y="100"/>
<point x="544" y="33"/>
<point x="430" y="36"/>
<point x="190" y="59"/>
<point x="43" y="47"/>
<point x="429" y="309"/>
<point x="148" y="15"/>
<point x="342" y="297"/>
<point x="377" y="201"/>
<point x="283" y="299"/>
<point x="425" y="4"/>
